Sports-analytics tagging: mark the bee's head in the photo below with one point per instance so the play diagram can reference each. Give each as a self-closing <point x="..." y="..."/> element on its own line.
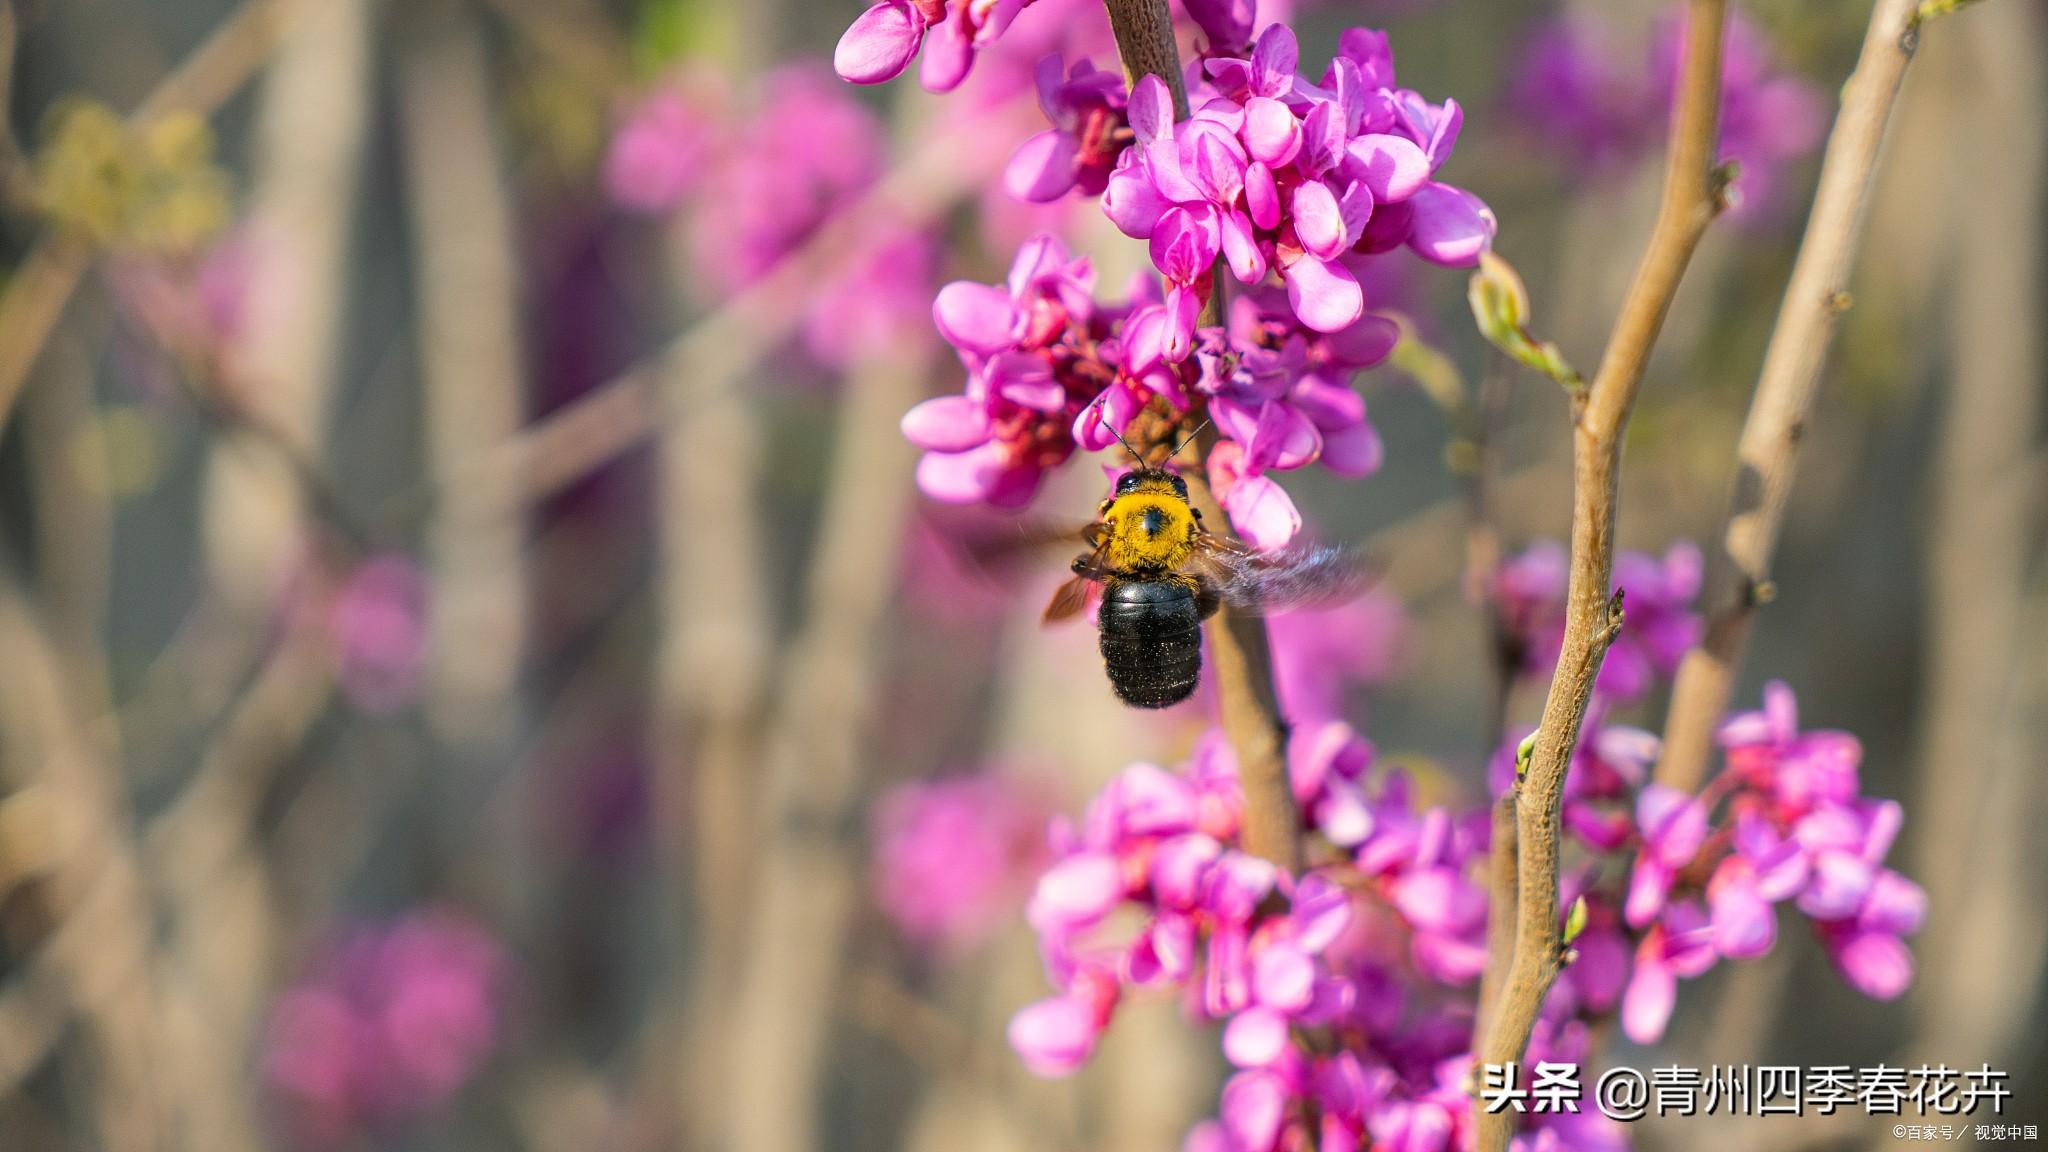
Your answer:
<point x="1151" y="480"/>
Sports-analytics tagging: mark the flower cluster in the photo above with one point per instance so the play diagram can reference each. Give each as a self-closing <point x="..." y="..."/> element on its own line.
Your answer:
<point x="1276" y="174"/>
<point x="1344" y="994"/>
<point x="1050" y="369"/>
<point x="1529" y="595"/>
<point x="762" y="184"/>
<point x="954" y="856"/>
<point x="386" y="1027"/>
<point x="1571" y="91"/>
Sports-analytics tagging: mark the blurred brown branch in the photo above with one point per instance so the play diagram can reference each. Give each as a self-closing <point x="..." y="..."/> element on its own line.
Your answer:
<point x="1767" y="455"/>
<point x="1692" y="195"/>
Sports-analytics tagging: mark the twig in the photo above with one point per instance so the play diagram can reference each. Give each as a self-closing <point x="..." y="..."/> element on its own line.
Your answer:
<point x="1592" y="618"/>
<point x="819" y="753"/>
<point x="1738" y="579"/>
<point x="596" y="428"/>
<point x="1239" y="656"/>
<point x="474" y="376"/>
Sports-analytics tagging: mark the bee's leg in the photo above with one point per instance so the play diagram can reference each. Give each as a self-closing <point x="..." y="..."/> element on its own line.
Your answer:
<point x="1207" y="600"/>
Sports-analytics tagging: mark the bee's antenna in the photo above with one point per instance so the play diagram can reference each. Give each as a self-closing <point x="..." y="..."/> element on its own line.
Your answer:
<point x="1189" y="439"/>
<point x="1103" y="416"/>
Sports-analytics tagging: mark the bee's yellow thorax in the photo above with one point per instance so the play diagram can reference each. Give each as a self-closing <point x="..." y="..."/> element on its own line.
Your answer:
<point x="1149" y="530"/>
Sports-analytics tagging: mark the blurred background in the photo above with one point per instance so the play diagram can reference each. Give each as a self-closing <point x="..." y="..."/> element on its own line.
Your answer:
<point x="478" y="672"/>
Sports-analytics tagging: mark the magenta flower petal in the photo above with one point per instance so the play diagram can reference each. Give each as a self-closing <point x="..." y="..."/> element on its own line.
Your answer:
<point x="1283" y="977"/>
<point x="1262" y="512"/>
<point x="1241" y="248"/>
<point x="1150" y="110"/>
<point x="1076" y="892"/>
<point x="1274" y="60"/>
<point x="978" y="318"/>
<point x="1876" y="964"/>
<point x="1026" y="379"/>
<point x="1177" y="335"/>
<point x="1272" y="135"/>
<point x="948" y="54"/>
<point x="947" y="424"/>
<point x="1227" y="23"/>
<point x="1317" y="220"/>
<point x="1353" y="450"/>
<point x="1394" y="167"/>
<point x="1054" y="1037"/>
<point x="1255" y="1038"/>
<point x="880" y="43"/>
<point x="1450" y="226"/>
<point x="1131" y="201"/>
<point x="1324" y="294"/>
<point x="1043" y="168"/>
<point x="1261" y="196"/>
<point x="1646" y="1005"/>
<point x="1254" y="1107"/>
<point x="962" y="477"/>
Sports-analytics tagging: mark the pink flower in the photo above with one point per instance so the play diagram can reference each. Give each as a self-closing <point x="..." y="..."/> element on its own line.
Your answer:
<point x="952" y="855"/>
<point x="884" y="39"/>
<point x="1277" y="174"/>
<point x="994" y="443"/>
<point x="658" y="155"/>
<point x="1086" y="108"/>
<point x="1679" y="945"/>
<point x="378" y="622"/>
<point x="386" y="1026"/>
<point x="1662" y="624"/>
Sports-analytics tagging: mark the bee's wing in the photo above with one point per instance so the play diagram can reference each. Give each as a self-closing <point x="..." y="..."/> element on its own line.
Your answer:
<point x="1259" y="583"/>
<point x="1069" y="600"/>
<point x="1073" y="596"/>
<point x="1004" y="547"/>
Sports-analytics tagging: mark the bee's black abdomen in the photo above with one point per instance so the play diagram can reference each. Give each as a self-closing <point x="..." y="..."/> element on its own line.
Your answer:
<point x="1151" y="641"/>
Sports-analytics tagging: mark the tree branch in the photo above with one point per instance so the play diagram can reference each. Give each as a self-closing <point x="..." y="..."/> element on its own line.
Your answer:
<point x="1239" y="656"/>
<point x="1767" y="455"/>
<point x="1691" y="199"/>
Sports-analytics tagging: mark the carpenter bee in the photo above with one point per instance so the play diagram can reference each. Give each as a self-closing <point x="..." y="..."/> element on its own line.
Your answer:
<point x="1159" y="574"/>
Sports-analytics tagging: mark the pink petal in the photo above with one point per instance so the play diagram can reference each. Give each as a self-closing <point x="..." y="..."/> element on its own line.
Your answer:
<point x="1042" y="169"/>
<point x="1177" y="337"/>
<point x="1054" y="1037"/>
<point x="1450" y="226"/>
<point x="1076" y="892"/>
<point x="1274" y="59"/>
<point x="962" y="477"/>
<point x="1272" y="135"/>
<point x="1876" y="964"/>
<point x="1241" y="248"/>
<point x="1150" y="110"/>
<point x="947" y="424"/>
<point x="1317" y="220"/>
<point x="976" y="317"/>
<point x="1254" y="1107"/>
<point x="1353" y="450"/>
<point x="1255" y="1038"/>
<point x="880" y="43"/>
<point x="1131" y="201"/>
<point x="948" y="55"/>
<point x="1324" y="294"/>
<point x="1262" y="513"/>
<point x="1261" y="196"/>
<point x="1646" y="1006"/>
<point x="1394" y="167"/>
<point x="1283" y="977"/>
<point x="1026" y="378"/>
